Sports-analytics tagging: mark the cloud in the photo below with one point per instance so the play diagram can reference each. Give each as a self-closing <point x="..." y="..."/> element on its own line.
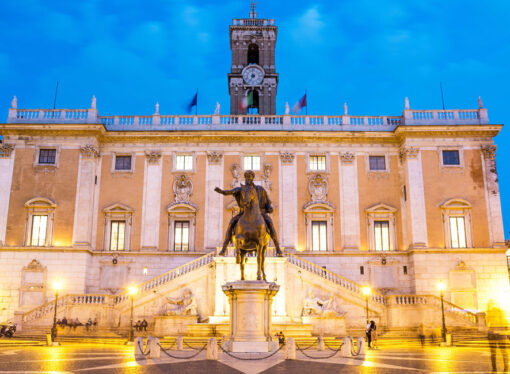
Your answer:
<point x="62" y="27"/>
<point x="309" y="25"/>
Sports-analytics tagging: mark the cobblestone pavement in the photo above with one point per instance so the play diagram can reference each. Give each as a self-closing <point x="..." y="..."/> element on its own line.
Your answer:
<point x="107" y="358"/>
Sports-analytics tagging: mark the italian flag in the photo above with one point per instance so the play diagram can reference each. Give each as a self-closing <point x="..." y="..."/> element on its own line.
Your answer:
<point x="246" y="102"/>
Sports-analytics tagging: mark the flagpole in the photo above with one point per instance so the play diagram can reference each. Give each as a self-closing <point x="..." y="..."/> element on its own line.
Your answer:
<point x="196" y="106"/>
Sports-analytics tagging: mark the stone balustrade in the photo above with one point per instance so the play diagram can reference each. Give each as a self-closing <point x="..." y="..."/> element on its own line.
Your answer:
<point x="335" y="278"/>
<point x="157" y="122"/>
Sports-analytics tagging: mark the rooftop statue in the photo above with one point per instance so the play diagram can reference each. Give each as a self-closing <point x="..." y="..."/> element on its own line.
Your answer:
<point x="251" y="228"/>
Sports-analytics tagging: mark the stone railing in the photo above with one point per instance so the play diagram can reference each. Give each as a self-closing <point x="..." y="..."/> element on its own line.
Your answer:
<point x="64" y="301"/>
<point x="151" y="285"/>
<point x="405" y="300"/>
<point x="157" y="122"/>
<point x="252" y="22"/>
<point x="335" y="278"/>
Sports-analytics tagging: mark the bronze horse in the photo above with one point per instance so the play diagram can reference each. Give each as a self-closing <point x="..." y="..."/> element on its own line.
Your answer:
<point x="250" y="232"/>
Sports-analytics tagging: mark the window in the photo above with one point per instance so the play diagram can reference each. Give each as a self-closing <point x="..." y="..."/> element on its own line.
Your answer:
<point x="405" y="270"/>
<point x="317" y="162"/>
<point x="451" y="157"/>
<point x="251" y="162"/>
<point x="382" y="235"/>
<point x="319" y="236"/>
<point x="117" y="229"/>
<point x="47" y="156"/>
<point x="381" y="228"/>
<point x="117" y="236"/>
<point x="457" y="232"/>
<point x="39" y="224"/>
<point x="377" y="162"/>
<point x="122" y="162"/>
<point x="181" y="236"/>
<point x="457" y="223"/>
<point x="362" y="270"/>
<point x="39" y="227"/>
<point x="184" y="162"/>
<point x="253" y="54"/>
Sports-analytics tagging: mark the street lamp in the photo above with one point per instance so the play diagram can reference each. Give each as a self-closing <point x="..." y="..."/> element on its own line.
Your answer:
<point x="441" y="286"/>
<point x="132" y="290"/>
<point x="57" y="285"/>
<point x="366" y="291"/>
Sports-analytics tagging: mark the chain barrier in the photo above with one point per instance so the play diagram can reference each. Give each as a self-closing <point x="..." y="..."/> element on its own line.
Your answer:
<point x="322" y="357"/>
<point x="328" y="347"/>
<point x="189" y="346"/>
<point x="310" y="346"/>
<point x="141" y="349"/>
<point x="353" y="352"/>
<point x="182" y="358"/>
<point x="251" y="358"/>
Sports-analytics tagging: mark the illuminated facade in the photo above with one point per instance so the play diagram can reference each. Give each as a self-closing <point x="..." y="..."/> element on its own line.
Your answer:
<point x="394" y="202"/>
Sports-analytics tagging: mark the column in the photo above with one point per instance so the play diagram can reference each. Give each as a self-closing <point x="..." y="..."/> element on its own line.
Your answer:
<point x="213" y="228"/>
<point x="288" y="200"/>
<point x="411" y="158"/>
<point x="151" y="208"/>
<point x="85" y="196"/>
<point x="349" y="202"/>
<point x="493" y="197"/>
<point x="6" y="171"/>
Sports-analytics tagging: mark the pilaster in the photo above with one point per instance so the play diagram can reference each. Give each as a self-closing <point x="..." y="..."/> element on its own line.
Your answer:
<point x="288" y="200"/>
<point x="349" y="202"/>
<point x="151" y="200"/>
<point x="85" y="196"/>
<point x="6" y="171"/>
<point x="213" y="228"/>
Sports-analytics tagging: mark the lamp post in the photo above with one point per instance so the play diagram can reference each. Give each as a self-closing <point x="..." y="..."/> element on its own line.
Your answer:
<point x="132" y="292"/>
<point x="367" y="291"/>
<point x="56" y="286"/>
<point x="441" y="286"/>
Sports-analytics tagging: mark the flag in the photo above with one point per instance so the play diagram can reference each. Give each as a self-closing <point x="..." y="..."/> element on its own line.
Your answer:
<point x="299" y="105"/>
<point x="193" y="102"/>
<point x="246" y="102"/>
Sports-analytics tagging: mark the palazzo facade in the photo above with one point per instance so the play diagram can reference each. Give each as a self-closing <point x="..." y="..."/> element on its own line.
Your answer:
<point x="394" y="202"/>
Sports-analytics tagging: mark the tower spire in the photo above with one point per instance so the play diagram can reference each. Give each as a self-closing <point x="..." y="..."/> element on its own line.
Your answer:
<point x="253" y="13"/>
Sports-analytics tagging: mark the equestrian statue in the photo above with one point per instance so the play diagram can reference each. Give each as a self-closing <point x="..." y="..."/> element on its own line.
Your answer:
<point x="251" y="229"/>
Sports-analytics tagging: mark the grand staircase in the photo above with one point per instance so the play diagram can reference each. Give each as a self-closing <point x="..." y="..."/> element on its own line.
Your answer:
<point x="393" y="312"/>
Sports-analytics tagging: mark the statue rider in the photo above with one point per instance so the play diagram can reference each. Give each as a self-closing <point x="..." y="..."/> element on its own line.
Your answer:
<point x="265" y="209"/>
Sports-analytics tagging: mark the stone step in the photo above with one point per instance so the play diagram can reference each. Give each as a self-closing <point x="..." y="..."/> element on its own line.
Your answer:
<point x="223" y="329"/>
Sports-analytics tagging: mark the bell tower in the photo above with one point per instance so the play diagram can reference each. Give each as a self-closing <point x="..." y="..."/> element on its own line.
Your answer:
<point x="253" y="81"/>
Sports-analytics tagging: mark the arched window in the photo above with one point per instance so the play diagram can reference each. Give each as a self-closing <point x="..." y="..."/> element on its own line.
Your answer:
<point x="41" y="212"/>
<point x="253" y="54"/>
<point x="253" y="106"/>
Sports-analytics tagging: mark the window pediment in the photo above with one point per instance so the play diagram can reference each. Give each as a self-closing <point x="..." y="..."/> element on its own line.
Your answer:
<point x="318" y="207"/>
<point x="40" y="202"/>
<point x="381" y="208"/>
<point x="182" y="207"/>
<point x="456" y="204"/>
<point x="118" y="208"/>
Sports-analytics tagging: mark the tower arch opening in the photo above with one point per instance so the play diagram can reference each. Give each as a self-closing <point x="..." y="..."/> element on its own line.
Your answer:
<point x="253" y="54"/>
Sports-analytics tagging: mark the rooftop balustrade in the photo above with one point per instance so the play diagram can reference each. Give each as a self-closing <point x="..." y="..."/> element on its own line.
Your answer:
<point x="217" y="122"/>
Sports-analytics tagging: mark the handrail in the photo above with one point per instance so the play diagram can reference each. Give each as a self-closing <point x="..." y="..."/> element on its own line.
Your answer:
<point x="164" y="278"/>
<point x="333" y="277"/>
<point x="68" y="299"/>
<point x="432" y="300"/>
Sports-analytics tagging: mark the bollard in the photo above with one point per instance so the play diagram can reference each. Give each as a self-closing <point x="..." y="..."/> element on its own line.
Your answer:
<point x="212" y="349"/>
<point x="155" y="349"/>
<point x="225" y="344"/>
<point x="361" y="346"/>
<point x="290" y="349"/>
<point x="346" y="350"/>
<point x="321" y="343"/>
<point x="178" y="343"/>
<point x="273" y="345"/>
<point x="139" y="347"/>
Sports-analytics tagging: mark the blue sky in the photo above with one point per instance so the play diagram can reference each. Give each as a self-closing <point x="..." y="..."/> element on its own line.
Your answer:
<point x="370" y="53"/>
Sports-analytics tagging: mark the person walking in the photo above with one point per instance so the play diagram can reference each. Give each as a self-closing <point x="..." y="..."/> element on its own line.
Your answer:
<point x="373" y="334"/>
<point x="369" y="335"/>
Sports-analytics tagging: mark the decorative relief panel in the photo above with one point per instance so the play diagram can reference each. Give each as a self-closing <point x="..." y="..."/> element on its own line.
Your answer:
<point x="287" y="157"/>
<point x="33" y="284"/>
<point x="183" y="187"/>
<point x="236" y="174"/>
<point x="6" y="150"/>
<point x="89" y="151"/>
<point x="489" y="151"/>
<point x="214" y="157"/>
<point x="408" y="152"/>
<point x="347" y="157"/>
<point x="153" y="157"/>
<point x="318" y="187"/>
<point x="489" y="155"/>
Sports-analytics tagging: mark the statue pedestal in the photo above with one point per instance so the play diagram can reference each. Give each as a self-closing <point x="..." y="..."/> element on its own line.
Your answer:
<point x="250" y="314"/>
<point x="326" y="325"/>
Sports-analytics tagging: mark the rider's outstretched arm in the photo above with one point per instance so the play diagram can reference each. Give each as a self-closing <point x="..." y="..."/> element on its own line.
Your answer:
<point x="226" y="192"/>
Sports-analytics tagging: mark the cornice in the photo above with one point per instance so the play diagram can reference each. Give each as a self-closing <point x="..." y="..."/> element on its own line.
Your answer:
<point x="426" y="131"/>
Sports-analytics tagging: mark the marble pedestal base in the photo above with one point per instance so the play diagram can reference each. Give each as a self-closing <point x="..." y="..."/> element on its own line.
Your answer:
<point x="250" y="314"/>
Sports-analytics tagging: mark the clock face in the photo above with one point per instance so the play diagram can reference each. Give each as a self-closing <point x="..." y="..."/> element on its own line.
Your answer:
<point x="253" y="75"/>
